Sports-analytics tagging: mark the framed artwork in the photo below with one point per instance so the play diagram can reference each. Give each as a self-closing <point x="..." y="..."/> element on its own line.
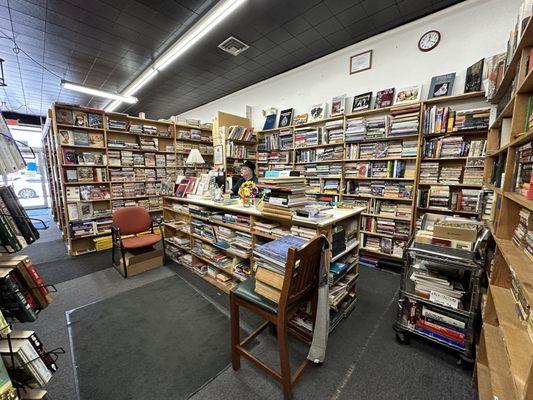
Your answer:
<point x="362" y="102"/>
<point x="361" y="62"/>
<point x="441" y="85"/>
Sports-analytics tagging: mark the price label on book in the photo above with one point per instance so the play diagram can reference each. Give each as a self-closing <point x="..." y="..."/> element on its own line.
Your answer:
<point x="443" y="300"/>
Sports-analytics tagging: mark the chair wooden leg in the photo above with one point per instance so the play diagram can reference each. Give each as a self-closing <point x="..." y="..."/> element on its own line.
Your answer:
<point x="123" y="252"/>
<point x="284" y="360"/>
<point x="314" y="307"/>
<point x="235" y="334"/>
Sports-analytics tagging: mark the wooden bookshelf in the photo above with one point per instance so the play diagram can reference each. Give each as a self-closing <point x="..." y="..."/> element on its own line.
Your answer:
<point x="504" y="367"/>
<point x="176" y="210"/>
<point x="155" y="140"/>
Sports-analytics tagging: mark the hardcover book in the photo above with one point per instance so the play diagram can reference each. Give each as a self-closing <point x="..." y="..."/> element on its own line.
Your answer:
<point x="318" y="112"/>
<point x="66" y="137"/>
<point x="81" y="138"/>
<point x="69" y="156"/>
<point x="80" y="118"/>
<point x="71" y="175"/>
<point x="441" y="85"/>
<point x="474" y="75"/>
<point x="362" y="102"/>
<point x="285" y="118"/>
<point x="407" y="95"/>
<point x="270" y="121"/>
<point x="64" y="116"/>
<point x="384" y="98"/>
<point x="300" y="119"/>
<point x="96" y="140"/>
<point x="338" y="104"/>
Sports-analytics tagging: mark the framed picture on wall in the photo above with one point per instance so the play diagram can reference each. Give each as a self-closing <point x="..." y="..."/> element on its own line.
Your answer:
<point x="361" y="62"/>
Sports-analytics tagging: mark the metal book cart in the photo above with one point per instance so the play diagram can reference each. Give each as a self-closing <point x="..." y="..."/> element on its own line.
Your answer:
<point x="466" y="264"/>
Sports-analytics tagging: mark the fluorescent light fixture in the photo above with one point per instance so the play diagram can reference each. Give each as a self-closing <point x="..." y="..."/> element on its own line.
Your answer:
<point x="97" y="92"/>
<point x="209" y="21"/>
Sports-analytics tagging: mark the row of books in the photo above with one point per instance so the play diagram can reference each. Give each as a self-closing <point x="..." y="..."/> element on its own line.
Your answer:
<point x="467" y="200"/>
<point x="16" y="229"/>
<point x="84" y="210"/>
<point x="380" y="189"/>
<point x="453" y="146"/>
<point x="186" y="147"/>
<point x="69" y="137"/>
<point x="430" y="281"/>
<point x="444" y="119"/>
<point x="391" y="149"/>
<point x="150" y="203"/>
<point x="65" y="116"/>
<point x="525" y="224"/>
<point x="74" y="156"/>
<point x="523" y="173"/>
<point x="133" y="159"/>
<point x="381" y="169"/>
<point x="437" y="323"/>
<point x="327" y="186"/>
<point x="362" y="128"/>
<point x="384" y="245"/>
<point x="405" y="120"/>
<point x="312" y="136"/>
<point x="275" y="157"/>
<point x="282" y="140"/>
<point x="81" y="228"/>
<point x="397" y="228"/>
<point x="135" y="189"/>
<point x="239" y="132"/>
<point x="382" y="208"/>
<point x="239" y="151"/>
<point x="87" y="192"/>
<point x="320" y="154"/>
<point x="323" y="170"/>
<point x="471" y="174"/>
<point x="194" y="134"/>
<point x="85" y="174"/>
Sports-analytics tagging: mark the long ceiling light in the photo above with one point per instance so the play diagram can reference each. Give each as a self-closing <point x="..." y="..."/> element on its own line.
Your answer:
<point x="97" y="92"/>
<point x="209" y="21"/>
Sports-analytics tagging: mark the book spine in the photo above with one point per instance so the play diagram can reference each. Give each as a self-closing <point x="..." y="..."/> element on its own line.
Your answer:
<point x="438" y="336"/>
<point x="15" y="301"/>
<point x="38" y="281"/>
<point x="443" y="331"/>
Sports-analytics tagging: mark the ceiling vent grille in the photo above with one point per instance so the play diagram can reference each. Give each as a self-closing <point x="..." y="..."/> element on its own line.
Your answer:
<point x="233" y="46"/>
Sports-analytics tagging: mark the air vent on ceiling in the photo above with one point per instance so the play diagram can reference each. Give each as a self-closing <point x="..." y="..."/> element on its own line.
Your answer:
<point x="233" y="46"/>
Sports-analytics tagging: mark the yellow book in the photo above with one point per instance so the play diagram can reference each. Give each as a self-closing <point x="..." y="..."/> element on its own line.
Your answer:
<point x="269" y="277"/>
<point x="267" y="291"/>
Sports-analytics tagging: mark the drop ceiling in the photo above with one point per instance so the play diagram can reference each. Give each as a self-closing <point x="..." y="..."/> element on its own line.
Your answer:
<point x="107" y="43"/>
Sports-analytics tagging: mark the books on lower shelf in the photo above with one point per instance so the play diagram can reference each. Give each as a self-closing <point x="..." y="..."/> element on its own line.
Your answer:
<point x="270" y="260"/>
<point x="443" y="198"/>
<point x="523" y="174"/>
<point x="320" y="154"/>
<point x="525" y="224"/>
<point x="453" y="146"/>
<point x="381" y="169"/>
<point x="378" y="188"/>
<point x="238" y="132"/>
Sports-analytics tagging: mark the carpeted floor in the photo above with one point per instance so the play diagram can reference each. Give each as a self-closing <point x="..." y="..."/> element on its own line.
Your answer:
<point x="364" y="361"/>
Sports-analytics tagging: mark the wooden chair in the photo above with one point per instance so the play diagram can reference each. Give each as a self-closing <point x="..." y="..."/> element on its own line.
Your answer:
<point x="132" y="221"/>
<point x="300" y="286"/>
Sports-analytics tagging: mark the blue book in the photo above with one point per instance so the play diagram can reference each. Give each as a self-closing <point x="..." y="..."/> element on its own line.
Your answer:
<point x="277" y="250"/>
<point x="337" y="268"/>
<point x="270" y="121"/>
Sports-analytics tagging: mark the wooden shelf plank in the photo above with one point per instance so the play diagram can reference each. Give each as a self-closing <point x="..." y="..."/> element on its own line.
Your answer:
<point x="520" y="263"/>
<point x="516" y="337"/>
<point x="456" y="97"/>
<point x="498" y="364"/>
<point x="518" y="198"/>
<point x="380" y="253"/>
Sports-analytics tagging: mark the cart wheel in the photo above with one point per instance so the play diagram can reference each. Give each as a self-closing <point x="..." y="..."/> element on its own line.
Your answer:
<point x="402" y="337"/>
<point x="465" y="362"/>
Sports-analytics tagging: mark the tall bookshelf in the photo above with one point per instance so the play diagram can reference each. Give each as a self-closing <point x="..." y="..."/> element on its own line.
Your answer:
<point x="443" y="175"/>
<point x="504" y="367"/>
<point x="110" y="161"/>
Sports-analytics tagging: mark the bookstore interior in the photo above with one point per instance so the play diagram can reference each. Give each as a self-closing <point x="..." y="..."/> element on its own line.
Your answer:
<point x="326" y="199"/>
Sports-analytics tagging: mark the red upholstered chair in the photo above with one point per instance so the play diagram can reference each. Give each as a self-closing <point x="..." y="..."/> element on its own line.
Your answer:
<point x="132" y="221"/>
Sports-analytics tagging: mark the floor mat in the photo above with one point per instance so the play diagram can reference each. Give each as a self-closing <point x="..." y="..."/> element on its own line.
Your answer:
<point x="161" y="341"/>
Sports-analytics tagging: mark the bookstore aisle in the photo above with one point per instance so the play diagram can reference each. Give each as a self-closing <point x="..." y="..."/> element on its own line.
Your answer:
<point x="362" y="358"/>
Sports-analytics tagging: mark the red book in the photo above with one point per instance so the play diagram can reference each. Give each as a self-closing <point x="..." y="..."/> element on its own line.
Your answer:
<point x="460" y="337"/>
<point x="39" y="282"/>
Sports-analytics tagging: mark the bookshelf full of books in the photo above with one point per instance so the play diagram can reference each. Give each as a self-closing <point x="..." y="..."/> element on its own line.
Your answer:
<point x="99" y="162"/>
<point x="503" y="367"/>
<point x="454" y="146"/>
<point x="379" y="173"/>
<point x="220" y="241"/>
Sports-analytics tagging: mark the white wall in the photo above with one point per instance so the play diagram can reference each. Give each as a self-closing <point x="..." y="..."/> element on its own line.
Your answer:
<point x="470" y="31"/>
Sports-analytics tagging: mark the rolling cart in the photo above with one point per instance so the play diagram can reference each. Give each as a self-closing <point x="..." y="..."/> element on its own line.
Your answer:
<point x="450" y="325"/>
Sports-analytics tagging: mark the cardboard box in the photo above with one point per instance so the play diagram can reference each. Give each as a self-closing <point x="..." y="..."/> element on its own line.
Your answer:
<point x="461" y="233"/>
<point x="141" y="260"/>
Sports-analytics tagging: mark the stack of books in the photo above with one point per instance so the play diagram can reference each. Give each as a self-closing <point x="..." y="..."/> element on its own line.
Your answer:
<point x="523" y="175"/>
<point x="450" y="174"/>
<point x="285" y="140"/>
<point x="439" y="197"/>
<point x="429" y="172"/>
<point x="283" y="195"/>
<point x="427" y="280"/>
<point x="405" y="120"/>
<point x="270" y="261"/>
<point x="304" y="137"/>
<point x="474" y="169"/>
<point x="355" y="130"/>
<point x="377" y="127"/>
<point x="409" y="148"/>
<point x="469" y="200"/>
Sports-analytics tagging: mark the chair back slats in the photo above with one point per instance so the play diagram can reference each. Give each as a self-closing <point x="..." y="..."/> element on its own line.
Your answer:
<point x="301" y="271"/>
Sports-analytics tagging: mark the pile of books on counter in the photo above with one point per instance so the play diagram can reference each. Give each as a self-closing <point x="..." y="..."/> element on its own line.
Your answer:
<point x="283" y="195"/>
<point x="270" y="260"/>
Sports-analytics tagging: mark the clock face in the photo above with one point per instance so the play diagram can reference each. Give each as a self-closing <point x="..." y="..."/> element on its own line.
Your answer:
<point x="429" y="41"/>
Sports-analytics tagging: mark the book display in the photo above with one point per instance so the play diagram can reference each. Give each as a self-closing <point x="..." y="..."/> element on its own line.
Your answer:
<point x="227" y="243"/>
<point x="98" y="162"/>
<point x="503" y="366"/>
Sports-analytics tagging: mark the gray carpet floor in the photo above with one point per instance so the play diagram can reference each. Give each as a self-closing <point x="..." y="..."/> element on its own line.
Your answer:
<point x="363" y="360"/>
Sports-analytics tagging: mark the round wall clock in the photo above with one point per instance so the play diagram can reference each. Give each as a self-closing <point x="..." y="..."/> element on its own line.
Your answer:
<point x="429" y="41"/>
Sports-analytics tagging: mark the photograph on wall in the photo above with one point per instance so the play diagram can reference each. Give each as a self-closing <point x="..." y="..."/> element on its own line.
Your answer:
<point x="409" y="94"/>
<point x="362" y="102"/>
<point x="441" y="85"/>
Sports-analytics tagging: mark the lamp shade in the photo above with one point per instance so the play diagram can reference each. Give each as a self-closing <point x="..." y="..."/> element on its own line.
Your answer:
<point x="195" y="157"/>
